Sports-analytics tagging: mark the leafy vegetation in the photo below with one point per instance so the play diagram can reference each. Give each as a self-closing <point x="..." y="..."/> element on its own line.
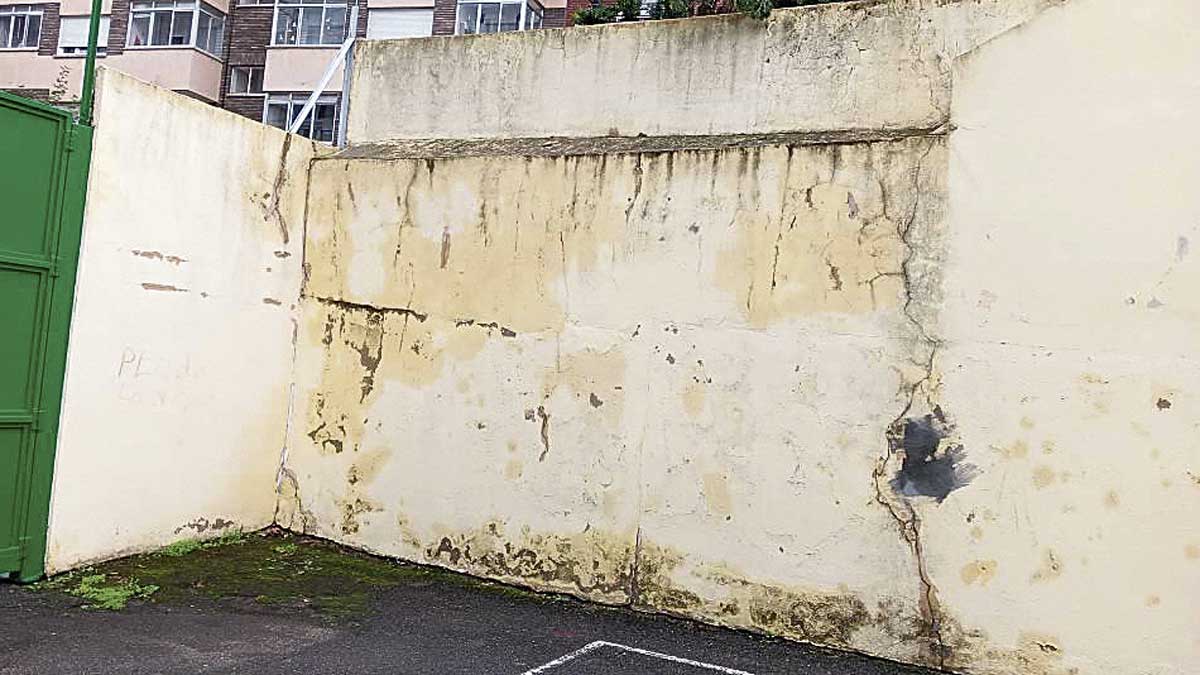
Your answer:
<point x="630" y="10"/>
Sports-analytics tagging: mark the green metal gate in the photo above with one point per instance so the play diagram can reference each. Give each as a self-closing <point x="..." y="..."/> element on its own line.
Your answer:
<point x="44" y="159"/>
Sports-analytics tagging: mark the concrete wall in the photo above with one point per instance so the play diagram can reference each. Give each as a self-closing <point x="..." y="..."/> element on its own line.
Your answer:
<point x="180" y="356"/>
<point x="1069" y="355"/>
<point x="865" y="64"/>
<point x="910" y="388"/>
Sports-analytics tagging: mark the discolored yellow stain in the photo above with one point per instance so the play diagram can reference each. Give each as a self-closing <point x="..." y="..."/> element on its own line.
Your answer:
<point x="1050" y="569"/>
<point x="821" y="242"/>
<point x="1015" y="450"/>
<point x="595" y="377"/>
<point x="716" y="493"/>
<point x="513" y="469"/>
<point x="1111" y="499"/>
<point x="694" y="393"/>
<point x="1043" y="476"/>
<point x="978" y="572"/>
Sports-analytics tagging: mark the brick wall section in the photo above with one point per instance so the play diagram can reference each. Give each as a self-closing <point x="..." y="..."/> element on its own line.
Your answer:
<point x="555" y="17"/>
<point x="42" y="95"/>
<point x="246" y="106"/>
<point x="48" y="42"/>
<point x="249" y="30"/>
<point x="444" y="15"/>
<point x="118" y="27"/>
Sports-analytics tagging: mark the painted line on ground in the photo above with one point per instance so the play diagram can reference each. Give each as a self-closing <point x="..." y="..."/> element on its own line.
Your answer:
<point x="593" y="646"/>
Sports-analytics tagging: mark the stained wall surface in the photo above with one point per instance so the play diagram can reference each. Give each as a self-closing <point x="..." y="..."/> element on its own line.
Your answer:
<point x="912" y="381"/>
<point x="180" y="356"/>
<point x="870" y="64"/>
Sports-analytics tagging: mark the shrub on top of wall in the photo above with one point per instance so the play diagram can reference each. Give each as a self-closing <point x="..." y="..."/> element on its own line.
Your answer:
<point x="631" y="10"/>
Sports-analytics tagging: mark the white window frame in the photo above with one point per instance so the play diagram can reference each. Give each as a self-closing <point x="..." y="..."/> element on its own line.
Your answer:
<point x="250" y="71"/>
<point x="80" y="50"/>
<point x="167" y="9"/>
<point x="300" y="5"/>
<point x="215" y="18"/>
<point x="530" y="11"/>
<point x="295" y="102"/>
<point x="158" y="9"/>
<point x="27" y="12"/>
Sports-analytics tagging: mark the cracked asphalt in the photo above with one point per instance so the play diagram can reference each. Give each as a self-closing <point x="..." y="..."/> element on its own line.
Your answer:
<point x="426" y="626"/>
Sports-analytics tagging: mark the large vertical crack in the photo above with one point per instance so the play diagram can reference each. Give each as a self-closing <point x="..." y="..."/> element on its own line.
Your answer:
<point x="925" y="352"/>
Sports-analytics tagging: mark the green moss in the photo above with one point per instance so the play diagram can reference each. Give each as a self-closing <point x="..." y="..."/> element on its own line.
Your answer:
<point x="100" y="593"/>
<point x="271" y="570"/>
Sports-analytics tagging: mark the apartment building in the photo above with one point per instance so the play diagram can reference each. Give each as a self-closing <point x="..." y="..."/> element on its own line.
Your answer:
<point x="258" y="58"/>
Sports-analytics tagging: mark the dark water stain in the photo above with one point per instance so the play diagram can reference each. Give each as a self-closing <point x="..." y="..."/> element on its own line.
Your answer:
<point x="932" y="467"/>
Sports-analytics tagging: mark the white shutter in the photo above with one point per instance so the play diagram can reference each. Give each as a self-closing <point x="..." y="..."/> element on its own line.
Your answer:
<point x="73" y="31"/>
<point x="399" y="23"/>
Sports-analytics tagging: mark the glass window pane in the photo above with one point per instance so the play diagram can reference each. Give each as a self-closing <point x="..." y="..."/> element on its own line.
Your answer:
<point x="160" y="31"/>
<point x="18" y="31"/>
<point x="239" y="81"/>
<point x="33" y="30"/>
<point x="285" y="26"/>
<point x="324" y="122"/>
<point x="181" y="28"/>
<point x="489" y="18"/>
<point x="277" y="114"/>
<point x="256" y="77"/>
<point x="467" y="17"/>
<point x="139" y="30"/>
<point x="5" y="30"/>
<point x="310" y="26"/>
<point x="510" y="17"/>
<point x="335" y="26"/>
<point x="216" y="36"/>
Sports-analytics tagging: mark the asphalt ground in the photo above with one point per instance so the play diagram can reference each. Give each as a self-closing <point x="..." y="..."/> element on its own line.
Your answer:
<point x="426" y="623"/>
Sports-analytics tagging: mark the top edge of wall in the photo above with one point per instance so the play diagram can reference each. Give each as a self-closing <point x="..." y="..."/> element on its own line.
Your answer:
<point x="871" y="64"/>
<point x="442" y="148"/>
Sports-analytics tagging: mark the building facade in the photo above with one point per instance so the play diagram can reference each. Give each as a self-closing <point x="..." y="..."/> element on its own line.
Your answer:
<point x="258" y="58"/>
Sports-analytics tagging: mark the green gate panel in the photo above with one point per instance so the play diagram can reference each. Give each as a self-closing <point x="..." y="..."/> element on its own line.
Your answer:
<point x="44" y="158"/>
<point x="20" y="291"/>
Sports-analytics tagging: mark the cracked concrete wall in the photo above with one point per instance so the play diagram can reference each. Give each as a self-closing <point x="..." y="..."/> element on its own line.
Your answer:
<point x="895" y="358"/>
<point x="869" y="64"/>
<point x="650" y="378"/>
<point x="180" y="357"/>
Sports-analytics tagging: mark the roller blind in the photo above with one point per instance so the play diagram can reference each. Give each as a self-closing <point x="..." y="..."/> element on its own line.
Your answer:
<point x="399" y="23"/>
<point x="73" y="31"/>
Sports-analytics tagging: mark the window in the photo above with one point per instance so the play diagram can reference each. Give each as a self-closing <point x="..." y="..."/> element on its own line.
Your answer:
<point x="245" y="81"/>
<point x="494" y="17"/>
<point x="73" y="35"/>
<point x="20" y="26"/>
<point x="245" y="3"/>
<point x="310" y="22"/>
<point x="320" y="125"/>
<point x="168" y="23"/>
<point x="160" y="23"/>
<point x="399" y="23"/>
<point x="210" y="32"/>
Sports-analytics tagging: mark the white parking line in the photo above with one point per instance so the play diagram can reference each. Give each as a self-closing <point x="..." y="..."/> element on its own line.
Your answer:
<point x="593" y="646"/>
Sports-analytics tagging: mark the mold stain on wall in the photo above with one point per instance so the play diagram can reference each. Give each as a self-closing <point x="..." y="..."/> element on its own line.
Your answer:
<point x="425" y="261"/>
